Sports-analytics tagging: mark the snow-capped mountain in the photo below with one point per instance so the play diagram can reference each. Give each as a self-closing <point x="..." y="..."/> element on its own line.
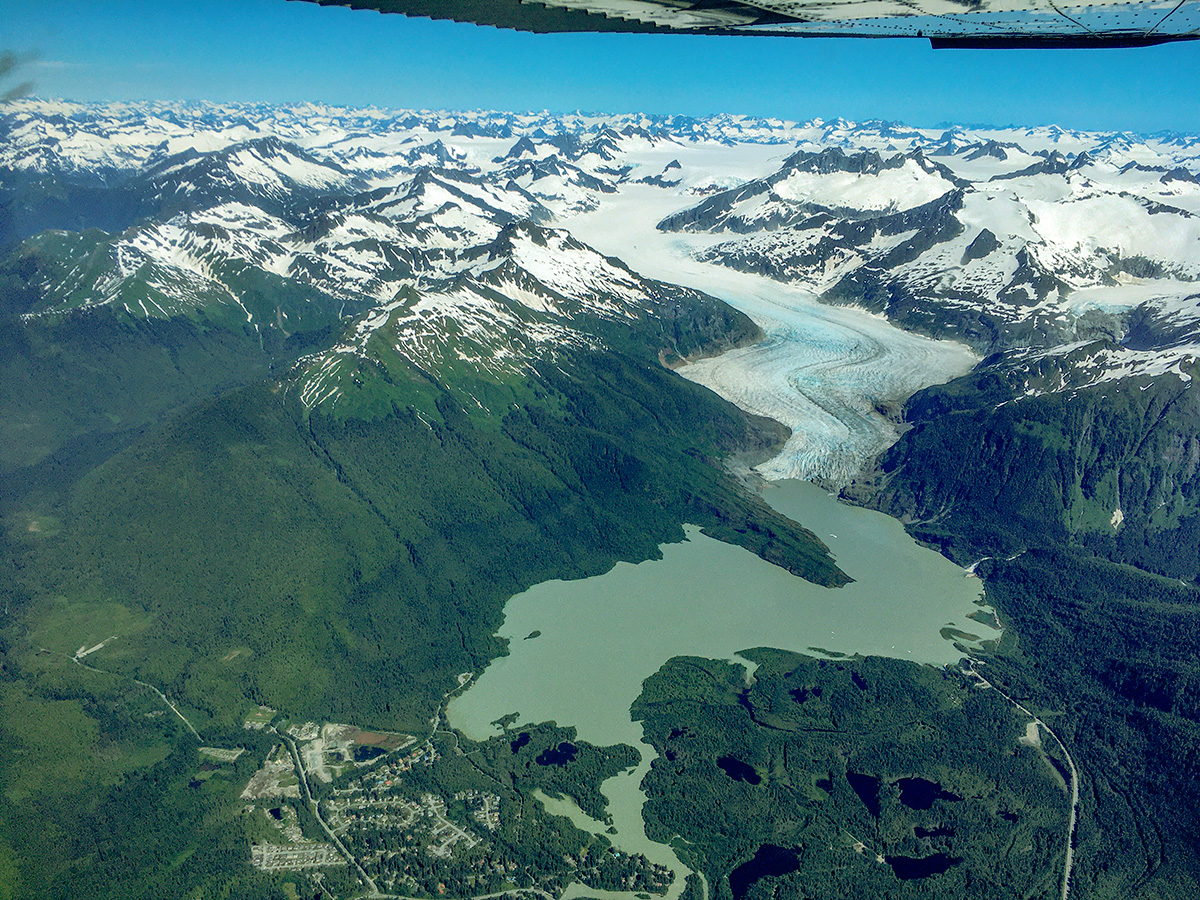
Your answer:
<point x="829" y="183"/>
<point x="103" y="140"/>
<point x="518" y="303"/>
<point x="387" y="222"/>
<point x="1050" y="253"/>
<point x="445" y="271"/>
<point x="89" y="140"/>
<point x="266" y="172"/>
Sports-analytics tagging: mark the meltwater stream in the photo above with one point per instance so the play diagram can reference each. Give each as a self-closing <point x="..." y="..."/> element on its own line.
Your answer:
<point x="601" y="637"/>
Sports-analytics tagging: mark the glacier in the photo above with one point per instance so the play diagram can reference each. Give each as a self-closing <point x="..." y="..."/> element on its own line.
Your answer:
<point x="833" y="375"/>
<point x="1058" y="238"/>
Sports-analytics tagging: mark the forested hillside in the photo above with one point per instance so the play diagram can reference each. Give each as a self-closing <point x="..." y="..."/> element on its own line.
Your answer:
<point x="293" y="400"/>
<point x="285" y="437"/>
<point x="1082" y="504"/>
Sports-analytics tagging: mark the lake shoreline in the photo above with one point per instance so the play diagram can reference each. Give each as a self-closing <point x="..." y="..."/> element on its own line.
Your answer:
<point x="712" y="600"/>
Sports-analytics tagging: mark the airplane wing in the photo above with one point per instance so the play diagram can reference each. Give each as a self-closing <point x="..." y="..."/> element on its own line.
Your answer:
<point x="946" y="23"/>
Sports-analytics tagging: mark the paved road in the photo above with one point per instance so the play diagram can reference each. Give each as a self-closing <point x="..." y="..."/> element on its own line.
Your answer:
<point x="313" y="805"/>
<point x="1071" y="820"/>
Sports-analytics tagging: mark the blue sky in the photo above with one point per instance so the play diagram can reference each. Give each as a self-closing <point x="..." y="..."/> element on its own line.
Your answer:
<point x="279" y="51"/>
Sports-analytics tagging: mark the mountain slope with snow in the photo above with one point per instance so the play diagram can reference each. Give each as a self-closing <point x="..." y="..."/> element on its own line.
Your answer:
<point x="308" y="220"/>
<point x="1052" y="253"/>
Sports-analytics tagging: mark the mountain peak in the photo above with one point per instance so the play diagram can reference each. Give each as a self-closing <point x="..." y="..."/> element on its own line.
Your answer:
<point x="523" y="147"/>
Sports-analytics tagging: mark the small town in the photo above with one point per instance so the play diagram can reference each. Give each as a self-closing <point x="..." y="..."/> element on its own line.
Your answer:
<point x="426" y="817"/>
<point x="380" y="819"/>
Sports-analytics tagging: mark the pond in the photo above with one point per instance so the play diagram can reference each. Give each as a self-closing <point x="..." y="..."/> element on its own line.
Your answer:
<point x="920" y="793"/>
<point x="769" y="861"/>
<point x="908" y="868"/>
<point x="738" y="770"/>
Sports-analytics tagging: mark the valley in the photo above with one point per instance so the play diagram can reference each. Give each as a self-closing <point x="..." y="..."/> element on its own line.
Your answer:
<point x="835" y="376"/>
<point x="479" y="426"/>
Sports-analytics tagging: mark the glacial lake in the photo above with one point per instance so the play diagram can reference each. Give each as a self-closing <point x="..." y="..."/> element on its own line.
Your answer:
<point x="601" y="637"/>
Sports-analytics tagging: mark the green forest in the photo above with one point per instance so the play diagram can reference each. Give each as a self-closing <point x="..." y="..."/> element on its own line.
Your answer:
<point x="170" y="498"/>
<point x="1102" y="613"/>
<point x="856" y="772"/>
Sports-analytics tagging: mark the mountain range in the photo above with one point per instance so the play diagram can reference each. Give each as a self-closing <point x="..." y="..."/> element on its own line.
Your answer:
<point x="296" y="397"/>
